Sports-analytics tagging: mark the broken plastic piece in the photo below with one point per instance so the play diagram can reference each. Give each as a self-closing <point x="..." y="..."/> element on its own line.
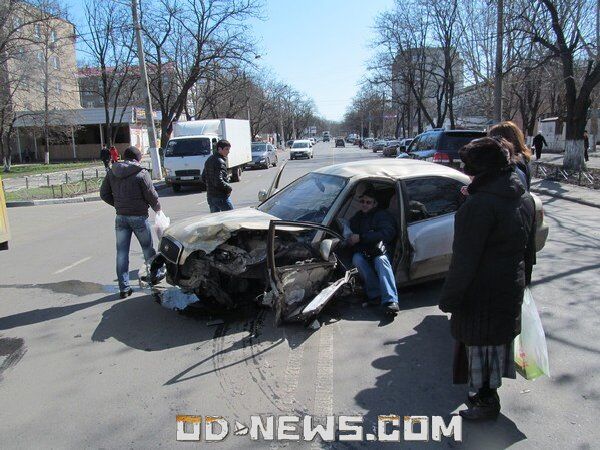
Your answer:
<point x="315" y="325"/>
<point x="176" y="299"/>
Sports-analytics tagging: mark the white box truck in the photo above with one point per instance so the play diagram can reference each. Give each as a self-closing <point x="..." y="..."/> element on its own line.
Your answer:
<point x="192" y="143"/>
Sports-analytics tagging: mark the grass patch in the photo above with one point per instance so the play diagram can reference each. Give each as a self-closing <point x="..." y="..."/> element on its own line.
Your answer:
<point x="67" y="190"/>
<point x="22" y="170"/>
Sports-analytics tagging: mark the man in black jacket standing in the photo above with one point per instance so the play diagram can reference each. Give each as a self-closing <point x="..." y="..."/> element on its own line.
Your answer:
<point x="215" y="178"/>
<point x="372" y="243"/>
<point x="538" y="143"/>
<point x="128" y="187"/>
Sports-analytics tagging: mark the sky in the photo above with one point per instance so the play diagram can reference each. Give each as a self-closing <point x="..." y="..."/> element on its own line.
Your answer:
<point x="319" y="47"/>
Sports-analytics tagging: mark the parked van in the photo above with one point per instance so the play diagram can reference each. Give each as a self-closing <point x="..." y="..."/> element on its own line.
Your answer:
<point x="192" y="143"/>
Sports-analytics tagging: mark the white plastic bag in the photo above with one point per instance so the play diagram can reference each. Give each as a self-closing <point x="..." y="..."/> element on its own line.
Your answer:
<point x="531" y="352"/>
<point x="161" y="223"/>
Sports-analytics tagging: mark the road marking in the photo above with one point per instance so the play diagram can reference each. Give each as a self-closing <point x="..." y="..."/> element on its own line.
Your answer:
<point x="76" y="263"/>
<point x="324" y="382"/>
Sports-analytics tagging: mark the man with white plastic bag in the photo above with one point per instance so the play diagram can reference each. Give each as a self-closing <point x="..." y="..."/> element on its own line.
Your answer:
<point x="128" y="188"/>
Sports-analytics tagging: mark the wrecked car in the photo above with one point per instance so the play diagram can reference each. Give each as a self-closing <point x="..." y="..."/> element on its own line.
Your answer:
<point x="288" y="253"/>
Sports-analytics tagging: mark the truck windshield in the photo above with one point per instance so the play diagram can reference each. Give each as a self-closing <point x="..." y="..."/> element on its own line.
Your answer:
<point x="188" y="147"/>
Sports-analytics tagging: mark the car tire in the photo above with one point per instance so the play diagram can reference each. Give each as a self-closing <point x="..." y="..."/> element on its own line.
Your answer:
<point x="176" y="187"/>
<point x="275" y="162"/>
<point x="268" y="163"/>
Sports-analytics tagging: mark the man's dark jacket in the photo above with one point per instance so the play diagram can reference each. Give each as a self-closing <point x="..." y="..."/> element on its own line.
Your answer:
<point x="215" y="176"/>
<point x="539" y="141"/>
<point x="104" y="154"/>
<point x="484" y="286"/>
<point x="375" y="226"/>
<point x="128" y="187"/>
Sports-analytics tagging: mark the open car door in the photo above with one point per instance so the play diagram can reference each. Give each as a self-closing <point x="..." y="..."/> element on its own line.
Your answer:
<point x="402" y="250"/>
<point x="302" y="284"/>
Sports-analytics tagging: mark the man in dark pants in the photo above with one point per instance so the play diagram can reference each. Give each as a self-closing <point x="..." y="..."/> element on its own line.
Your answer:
<point x="215" y="177"/>
<point x="128" y="187"/>
<point x="538" y="143"/>
<point x="105" y="156"/>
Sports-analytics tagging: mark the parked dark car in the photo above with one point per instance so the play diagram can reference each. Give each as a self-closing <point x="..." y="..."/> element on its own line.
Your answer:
<point x="263" y="155"/>
<point x="441" y="146"/>
<point x="339" y="142"/>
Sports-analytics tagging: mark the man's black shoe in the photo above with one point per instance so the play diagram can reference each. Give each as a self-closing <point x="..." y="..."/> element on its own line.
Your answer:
<point x="391" y="308"/>
<point x="125" y="294"/>
<point x="472" y="399"/>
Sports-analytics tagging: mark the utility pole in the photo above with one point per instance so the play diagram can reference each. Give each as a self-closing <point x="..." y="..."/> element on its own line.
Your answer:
<point x="498" y="78"/>
<point x="156" y="165"/>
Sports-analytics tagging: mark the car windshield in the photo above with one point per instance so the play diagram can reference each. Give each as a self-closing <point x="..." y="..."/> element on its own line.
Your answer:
<point x="453" y="142"/>
<point x="260" y="148"/>
<point x="308" y="198"/>
<point x="300" y="145"/>
<point x="188" y="147"/>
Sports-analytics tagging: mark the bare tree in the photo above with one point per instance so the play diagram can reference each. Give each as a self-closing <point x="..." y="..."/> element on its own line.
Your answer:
<point x="563" y="28"/>
<point x="185" y="39"/>
<point x="109" y="42"/>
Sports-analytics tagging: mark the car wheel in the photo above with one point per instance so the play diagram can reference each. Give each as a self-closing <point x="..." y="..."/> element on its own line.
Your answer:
<point x="268" y="163"/>
<point x="275" y="162"/>
<point x="176" y="188"/>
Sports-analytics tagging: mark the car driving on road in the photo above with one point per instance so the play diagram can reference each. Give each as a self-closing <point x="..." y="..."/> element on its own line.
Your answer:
<point x="264" y="155"/>
<point x="339" y="142"/>
<point x="301" y="149"/>
<point x="289" y="252"/>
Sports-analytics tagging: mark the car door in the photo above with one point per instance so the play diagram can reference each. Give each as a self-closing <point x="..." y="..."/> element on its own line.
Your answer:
<point x="431" y="203"/>
<point x="299" y="287"/>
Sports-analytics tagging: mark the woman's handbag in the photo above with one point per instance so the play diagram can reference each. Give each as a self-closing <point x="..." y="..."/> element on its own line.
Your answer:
<point x="531" y="352"/>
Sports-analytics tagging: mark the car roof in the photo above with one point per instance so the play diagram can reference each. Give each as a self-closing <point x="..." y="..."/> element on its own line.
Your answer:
<point x="393" y="168"/>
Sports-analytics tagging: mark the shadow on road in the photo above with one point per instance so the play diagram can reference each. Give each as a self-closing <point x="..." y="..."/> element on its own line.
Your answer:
<point x="418" y="381"/>
<point x="45" y="314"/>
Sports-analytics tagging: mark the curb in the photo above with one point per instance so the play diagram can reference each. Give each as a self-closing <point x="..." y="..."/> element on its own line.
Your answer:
<point x="565" y="197"/>
<point x="61" y="201"/>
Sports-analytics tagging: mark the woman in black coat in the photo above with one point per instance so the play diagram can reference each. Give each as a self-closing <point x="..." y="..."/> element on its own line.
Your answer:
<point x="486" y="280"/>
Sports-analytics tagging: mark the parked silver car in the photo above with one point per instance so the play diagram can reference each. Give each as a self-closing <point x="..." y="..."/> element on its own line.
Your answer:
<point x="286" y="252"/>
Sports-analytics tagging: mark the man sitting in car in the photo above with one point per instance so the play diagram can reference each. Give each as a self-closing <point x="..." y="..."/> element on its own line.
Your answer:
<point x="372" y="241"/>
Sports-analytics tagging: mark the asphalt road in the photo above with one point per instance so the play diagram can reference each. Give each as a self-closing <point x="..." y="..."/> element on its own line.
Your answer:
<point x="81" y="368"/>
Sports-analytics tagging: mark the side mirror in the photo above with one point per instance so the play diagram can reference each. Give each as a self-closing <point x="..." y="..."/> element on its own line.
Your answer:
<point x="326" y="246"/>
<point x="262" y="195"/>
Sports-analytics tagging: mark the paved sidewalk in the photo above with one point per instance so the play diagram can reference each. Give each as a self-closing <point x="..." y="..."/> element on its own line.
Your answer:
<point x="557" y="159"/>
<point x="570" y="192"/>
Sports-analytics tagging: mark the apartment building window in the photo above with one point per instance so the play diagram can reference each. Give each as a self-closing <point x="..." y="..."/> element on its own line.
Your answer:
<point x="18" y="22"/>
<point x="55" y="62"/>
<point x="38" y="31"/>
<point x="40" y="56"/>
<point x="53" y="37"/>
<point x="58" y="88"/>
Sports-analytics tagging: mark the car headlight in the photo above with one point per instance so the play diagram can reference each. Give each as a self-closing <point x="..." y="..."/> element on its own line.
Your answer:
<point x="262" y="160"/>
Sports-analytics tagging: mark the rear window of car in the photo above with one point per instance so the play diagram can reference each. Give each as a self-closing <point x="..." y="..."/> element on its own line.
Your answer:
<point x="453" y="142"/>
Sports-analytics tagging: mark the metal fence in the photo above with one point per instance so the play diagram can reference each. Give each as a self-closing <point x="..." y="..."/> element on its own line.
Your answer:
<point x="587" y="178"/>
<point x="73" y="183"/>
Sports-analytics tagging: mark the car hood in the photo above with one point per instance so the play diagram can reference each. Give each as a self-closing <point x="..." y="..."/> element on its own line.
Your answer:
<point x="208" y="231"/>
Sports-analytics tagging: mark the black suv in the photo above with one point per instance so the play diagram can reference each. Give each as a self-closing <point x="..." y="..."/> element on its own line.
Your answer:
<point x="441" y="146"/>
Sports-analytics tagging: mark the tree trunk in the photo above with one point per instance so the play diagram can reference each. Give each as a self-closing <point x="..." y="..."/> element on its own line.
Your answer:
<point x="573" y="159"/>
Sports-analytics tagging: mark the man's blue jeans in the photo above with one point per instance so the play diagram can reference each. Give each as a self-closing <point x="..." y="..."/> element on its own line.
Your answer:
<point x="377" y="276"/>
<point x="218" y="204"/>
<point x="124" y="227"/>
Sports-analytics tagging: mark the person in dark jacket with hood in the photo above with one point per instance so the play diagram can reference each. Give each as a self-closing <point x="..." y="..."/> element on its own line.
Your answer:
<point x="484" y="287"/>
<point x="372" y="242"/>
<point x="128" y="187"/>
<point x="215" y="177"/>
